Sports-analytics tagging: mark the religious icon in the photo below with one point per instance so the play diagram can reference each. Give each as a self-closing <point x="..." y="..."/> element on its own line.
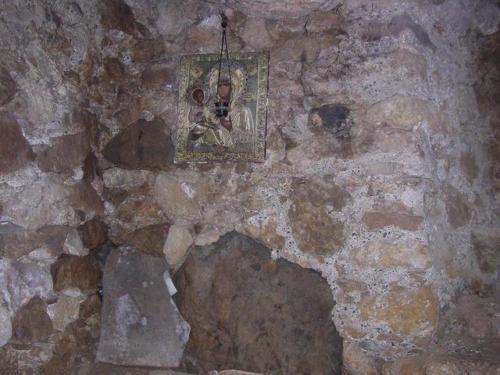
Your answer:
<point x="222" y="112"/>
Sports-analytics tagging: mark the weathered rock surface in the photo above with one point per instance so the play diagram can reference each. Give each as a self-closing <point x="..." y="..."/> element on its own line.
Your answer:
<point x="149" y="239"/>
<point x="93" y="233"/>
<point x="411" y="313"/>
<point x="7" y="87"/>
<point x="32" y="323"/>
<point x="142" y="145"/>
<point x="66" y="310"/>
<point x="52" y="207"/>
<point x="315" y="231"/>
<point x="65" y="153"/>
<point x="174" y="200"/>
<point x="384" y="254"/>
<point x="109" y="369"/>
<point x="23" y="281"/>
<point x="392" y="214"/>
<point x="356" y="361"/>
<point x="15" y="151"/>
<point x="397" y="100"/>
<point x="86" y="201"/>
<point x="5" y="326"/>
<point x="141" y="325"/>
<point x="486" y="248"/>
<point x="16" y="241"/>
<point x="73" y="346"/>
<point x="258" y="314"/>
<point x="71" y="271"/>
<point x="73" y="244"/>
<point x="177" y="244"/>
<point x="271" y="9"/>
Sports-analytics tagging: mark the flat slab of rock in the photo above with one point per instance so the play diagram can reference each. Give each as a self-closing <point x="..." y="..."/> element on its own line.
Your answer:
<point x="141" y="325"/>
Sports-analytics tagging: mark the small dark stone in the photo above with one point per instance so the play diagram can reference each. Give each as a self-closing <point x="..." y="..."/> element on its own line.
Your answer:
<point x="7" y="87"/>
<point x="149" y="239"/>
<point x="72" y="271"/>
<point x="155" y="78"/>
<point x="53" y="237"/>
<point x="487" y="251"/>
<point x="15" y="241"/>
<point x="66" y="153"/>
<point x="15" y="151"/>
<point x="89" y="307"/>
<point x="32" y="323"/>
<point x="90" y="168"/>
<point x="85" y="198"/>
<point x="116" y="14"/>
<point x="334" y="117"/>
<point x="142" y="145"/>
<point x="113" y="70"/>
<point x="93" y="233"/>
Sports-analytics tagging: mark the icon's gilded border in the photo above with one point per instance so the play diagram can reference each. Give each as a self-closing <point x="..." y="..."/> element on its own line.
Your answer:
<point x="182" y="154"/>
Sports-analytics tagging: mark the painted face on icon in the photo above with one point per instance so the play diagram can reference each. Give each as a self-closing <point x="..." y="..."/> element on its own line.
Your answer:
<point x="198" y="96"/>
<point x="224" y="89"/>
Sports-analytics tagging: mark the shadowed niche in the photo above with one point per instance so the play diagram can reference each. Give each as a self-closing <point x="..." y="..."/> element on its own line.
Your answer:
<point x="250" y="312"/>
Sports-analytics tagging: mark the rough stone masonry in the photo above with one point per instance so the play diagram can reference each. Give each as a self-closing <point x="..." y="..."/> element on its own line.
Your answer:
<point x="382" y="168"/>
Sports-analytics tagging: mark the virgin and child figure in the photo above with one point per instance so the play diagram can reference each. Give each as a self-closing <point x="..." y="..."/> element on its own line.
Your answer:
<point x="213" y="130"/>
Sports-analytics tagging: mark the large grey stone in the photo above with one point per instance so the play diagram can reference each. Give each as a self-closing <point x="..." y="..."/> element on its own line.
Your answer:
<point x="252" y="313"/>
<point x="141" y="325"/>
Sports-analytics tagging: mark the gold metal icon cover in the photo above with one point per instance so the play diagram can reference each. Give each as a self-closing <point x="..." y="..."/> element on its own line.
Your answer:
<point x="202" y="136"/>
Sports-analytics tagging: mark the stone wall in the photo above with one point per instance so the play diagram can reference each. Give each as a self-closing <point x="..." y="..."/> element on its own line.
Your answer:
<point x="380" y="173"/>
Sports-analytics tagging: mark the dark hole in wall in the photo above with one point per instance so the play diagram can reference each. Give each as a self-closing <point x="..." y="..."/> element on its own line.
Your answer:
<point x="252" y="313"/>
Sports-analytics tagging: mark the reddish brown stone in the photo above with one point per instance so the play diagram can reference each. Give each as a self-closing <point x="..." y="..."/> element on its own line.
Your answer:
<point x="148" y="50"/>
<point x="325" y="21"/>
<point x="155" y="78"/>
<point x="87" y="121"/>
<point x="85" y="199"/>
<point x="93" y="233"/>
<point x="116" y="14"/>
<point x="77" y="344"/>
<point x="32" y="323"/>
<point x="113" y="70"/>
<point x="90" y="168"/>
<point x="15" y="151"/>
<point x="395" y="214"/>
<point x="469" y="166"/>
<point x="7" y="87"/>
<point x="149" y="240"/>
<point x="457" y="208"/>
<point x="89" y="307"/>
<point x="142" y="145"/>
<point x="486" y="247"/>
<point x="15" y="241"/>
<point x="52" y="237"/>
<point x="66" y="153"/>
<point x="72" y="271"/>
<point x="315" y="231"/>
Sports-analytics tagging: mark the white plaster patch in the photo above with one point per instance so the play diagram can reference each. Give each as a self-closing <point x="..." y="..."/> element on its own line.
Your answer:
<point x="186" y="188"/>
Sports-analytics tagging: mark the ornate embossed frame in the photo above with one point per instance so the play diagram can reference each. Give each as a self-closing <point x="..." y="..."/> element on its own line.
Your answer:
<point x="196" y="93"/>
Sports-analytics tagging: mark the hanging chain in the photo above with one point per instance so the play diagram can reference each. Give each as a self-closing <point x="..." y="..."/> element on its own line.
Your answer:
<point x="224" y="43"/>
